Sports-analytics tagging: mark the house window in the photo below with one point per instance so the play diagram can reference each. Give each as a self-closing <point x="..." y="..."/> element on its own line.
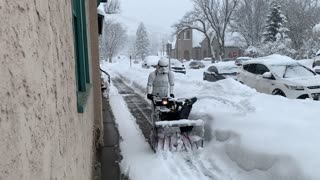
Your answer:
<point x="80" y="53"/>
<point x="187" y="35"/>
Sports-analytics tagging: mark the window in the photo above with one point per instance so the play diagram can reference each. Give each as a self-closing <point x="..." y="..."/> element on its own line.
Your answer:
<point x="81" y="53"/>
<point x="187" y="35"/>
<point x="250" y="68"/>
<point x="261" y="69"/>
<point x="213" y="69"/>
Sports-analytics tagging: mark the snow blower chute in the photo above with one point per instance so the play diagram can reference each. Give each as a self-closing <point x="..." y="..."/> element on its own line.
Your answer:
<point x="172" y="130"/>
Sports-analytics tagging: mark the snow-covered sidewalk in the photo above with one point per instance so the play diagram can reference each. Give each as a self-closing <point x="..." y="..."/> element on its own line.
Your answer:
<point x="249" y="135"/>
<point x="140" y="162"/>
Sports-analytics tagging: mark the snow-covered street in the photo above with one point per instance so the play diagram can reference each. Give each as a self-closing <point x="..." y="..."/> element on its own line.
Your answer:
<point x="249" y="135"/>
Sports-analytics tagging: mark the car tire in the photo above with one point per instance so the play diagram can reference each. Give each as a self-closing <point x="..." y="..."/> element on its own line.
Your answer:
<point x="278" y="92"/>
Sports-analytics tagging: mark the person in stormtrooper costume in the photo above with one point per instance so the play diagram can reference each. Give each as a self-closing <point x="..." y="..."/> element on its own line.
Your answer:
<point x="160" y="80"/>
<point x="161" y="84"/>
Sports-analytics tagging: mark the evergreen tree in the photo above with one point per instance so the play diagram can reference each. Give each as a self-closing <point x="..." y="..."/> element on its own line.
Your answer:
<point x="142" y="41"/>
<point x="276" y="40"/>
<point x="275" y="28"/>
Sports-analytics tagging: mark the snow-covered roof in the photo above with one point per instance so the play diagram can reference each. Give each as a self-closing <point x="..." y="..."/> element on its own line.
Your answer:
<point x="100" y="9"/>
<point x="174" y="41"/>
<point x="234" y="39"/>
<point x="274" y="59"/>
<point x="197" y="38"/>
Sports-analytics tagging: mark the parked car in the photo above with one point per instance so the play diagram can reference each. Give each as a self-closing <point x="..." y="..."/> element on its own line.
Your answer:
<point x="316" y="66"/>
<point x="196" y="65"/>
<point x="280" y="75"/>
<point x="316" y="63"/>
<point x="177" y="66"/>
<point x="207" y="59"/>
<point x="150" y="61"/>
<point x="227" y="59"/>
<point x="221" y="70"/>
<point x="240" y="60"/>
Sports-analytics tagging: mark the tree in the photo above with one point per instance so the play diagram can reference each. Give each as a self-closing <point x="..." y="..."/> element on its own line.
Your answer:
<point x="275" y="23"/>
<point x="249" y="20"/>
<point x="114" y="38"/>
<point x="301" y="16"/>
<point x="112" y="7"/>
<point x="217" y="14"/>
<point x="276" y="40"/>
<point x="195" y="20"/>
<point x="142" y="41"/>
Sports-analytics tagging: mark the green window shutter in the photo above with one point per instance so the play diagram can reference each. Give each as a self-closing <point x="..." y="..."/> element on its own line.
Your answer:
<point x="81" y="53"/>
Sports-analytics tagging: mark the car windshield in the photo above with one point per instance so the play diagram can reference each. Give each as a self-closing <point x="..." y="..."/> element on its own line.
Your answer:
<point x="291" y="71"/>
<point x="317" y="63"/>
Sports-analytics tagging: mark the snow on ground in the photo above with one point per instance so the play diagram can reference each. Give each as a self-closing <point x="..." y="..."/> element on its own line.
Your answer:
<point x="141" y="163"/>
<point x="256" y="136"/>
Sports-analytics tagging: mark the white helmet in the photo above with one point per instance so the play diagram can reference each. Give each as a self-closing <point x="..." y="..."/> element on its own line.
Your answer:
<point x="163" y="66"/>
<point x="163" y="62"/>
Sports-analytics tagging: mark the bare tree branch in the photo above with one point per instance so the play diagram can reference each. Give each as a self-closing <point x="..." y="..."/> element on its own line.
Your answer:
<point x="112" y="7"/>
<point x="218" y="14"/>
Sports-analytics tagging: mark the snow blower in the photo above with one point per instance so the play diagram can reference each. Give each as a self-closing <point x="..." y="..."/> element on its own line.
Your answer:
<point x="172" y="130"/>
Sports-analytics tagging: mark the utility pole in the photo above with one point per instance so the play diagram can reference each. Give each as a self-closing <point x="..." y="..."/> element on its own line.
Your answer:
<point x="162" y="48"/>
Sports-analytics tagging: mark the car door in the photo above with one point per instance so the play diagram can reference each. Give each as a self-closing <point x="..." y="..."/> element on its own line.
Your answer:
<point x="249" y="76"/>
<point x="262" y="84"/>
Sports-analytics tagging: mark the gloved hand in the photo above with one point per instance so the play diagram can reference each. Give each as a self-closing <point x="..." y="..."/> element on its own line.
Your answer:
<point x="171" y="95"/>
<point x="150" y="96"/>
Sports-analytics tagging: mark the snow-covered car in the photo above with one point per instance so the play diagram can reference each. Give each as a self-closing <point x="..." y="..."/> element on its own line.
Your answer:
<point x="221" y="70"/>
<point x="280" y="75"/>
<point x="177" y="66"/>
<point x="150" y="61"/>
<point x="227" y="59"/>
<point x="316" y="66"/>
<point x="196" y="65"/>
<point x="240" y="60"/>
<point x="316" y="63"/>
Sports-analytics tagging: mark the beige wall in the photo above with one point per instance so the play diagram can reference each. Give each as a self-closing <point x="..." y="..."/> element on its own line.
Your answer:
<point x="41" y="134"/>
<point x="183" y="45"/>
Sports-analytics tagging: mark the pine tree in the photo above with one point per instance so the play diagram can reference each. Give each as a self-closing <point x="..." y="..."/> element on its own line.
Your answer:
<point x="276" y="40"/>
<point x="275" y="28"/>
<point x="142" y="41"/>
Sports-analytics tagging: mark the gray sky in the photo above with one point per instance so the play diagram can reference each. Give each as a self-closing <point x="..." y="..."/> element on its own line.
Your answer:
<point x="157" y="15"/>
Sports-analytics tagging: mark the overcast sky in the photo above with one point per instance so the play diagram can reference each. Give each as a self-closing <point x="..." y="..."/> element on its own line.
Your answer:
<point x="157" y="15"/>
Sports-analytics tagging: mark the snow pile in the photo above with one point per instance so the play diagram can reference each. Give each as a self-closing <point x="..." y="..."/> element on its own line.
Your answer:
<point x="250" y="135"/>
<point x="152" y="60"/>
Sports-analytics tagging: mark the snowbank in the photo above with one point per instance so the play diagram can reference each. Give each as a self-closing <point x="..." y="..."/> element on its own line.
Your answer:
<point x="257" y="136"/>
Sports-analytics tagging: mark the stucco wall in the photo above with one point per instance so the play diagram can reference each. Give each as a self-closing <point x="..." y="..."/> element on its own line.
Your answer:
<point x="41" y="134"/>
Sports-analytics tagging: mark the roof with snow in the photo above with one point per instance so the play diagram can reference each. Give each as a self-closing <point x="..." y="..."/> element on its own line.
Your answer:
<point x="100" y="9"/>
<point x="274" y="59"/>
<point x="234" y="39"/>
<point x="197" y="38"/>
